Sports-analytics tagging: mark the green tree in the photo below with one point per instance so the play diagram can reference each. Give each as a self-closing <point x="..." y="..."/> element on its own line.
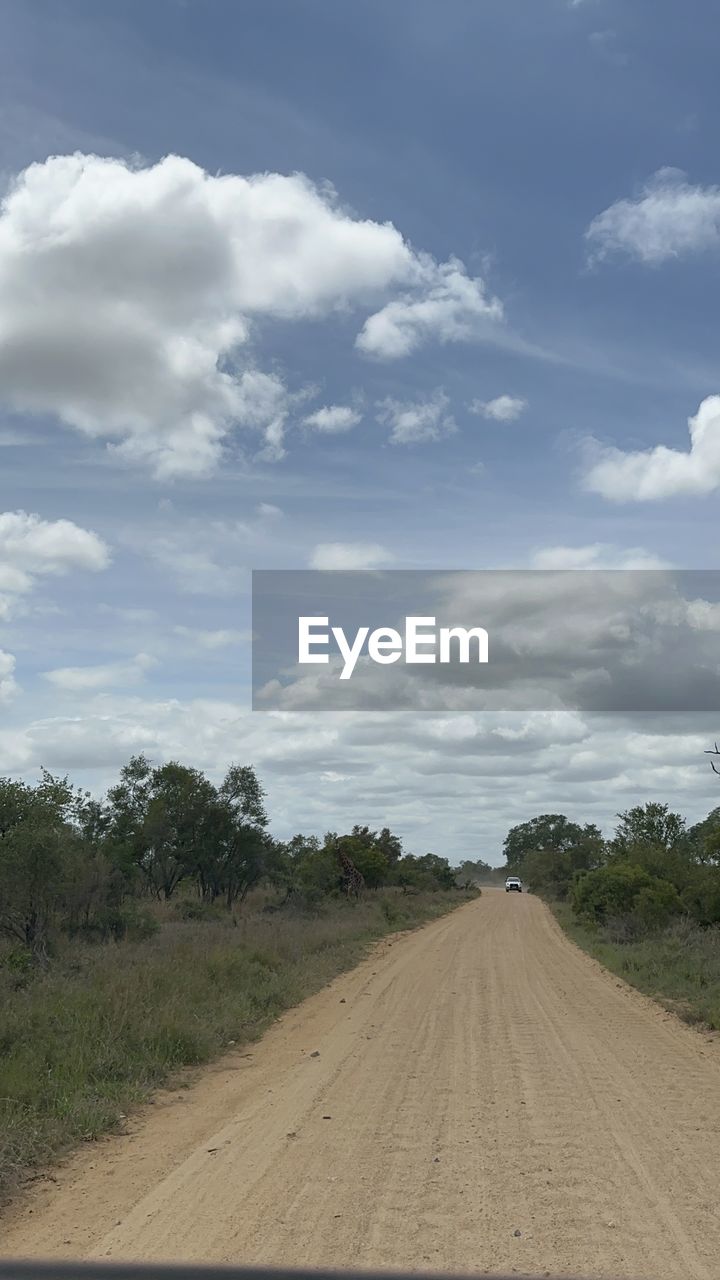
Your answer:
<point x="429" y="871"/>
<point x="652" y="825"/>
<point x="623" y="889"/>
<point x="179" y="825"/>
<point x="705" y="838"/>
<point x="246" y="850"/>
<point x="550" y="850"/>
<point x="39" y="844"/>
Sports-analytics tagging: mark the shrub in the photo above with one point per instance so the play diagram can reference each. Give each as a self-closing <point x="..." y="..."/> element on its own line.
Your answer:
<point x="701" y="897"/>
<point x="624" y="889"/>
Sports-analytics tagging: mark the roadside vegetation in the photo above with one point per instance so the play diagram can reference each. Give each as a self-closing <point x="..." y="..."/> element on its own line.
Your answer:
<point x="646" y="902"/>
<point x="148" y="931"/>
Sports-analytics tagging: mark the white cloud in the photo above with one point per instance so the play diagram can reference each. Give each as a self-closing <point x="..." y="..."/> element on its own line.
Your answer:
<point x="128" y="297"/>
<point x="418" y="421"/>
<point x="333" y="419"/>
<point x="34" y="546"/>
<point x="349" y="555"/>
<point x="101" y="676"/>
<point x="648" y="474"/>
<point x="8" y="687"/>
<point x="31" y="547"/>
<point x="669" y="218"/>
<point x="501" y="409"/>
<point x="598" y="555"/>
<point x="452" y="308"/>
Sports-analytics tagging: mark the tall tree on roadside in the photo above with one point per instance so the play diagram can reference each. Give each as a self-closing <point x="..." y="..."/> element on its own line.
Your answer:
<point x="38" y="838"/>
<point x="247" y="848"/>
<point x="652" y="825"/>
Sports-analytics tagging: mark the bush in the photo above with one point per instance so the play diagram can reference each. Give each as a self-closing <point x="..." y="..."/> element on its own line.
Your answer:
<point x="623" y="890"/>
<point x="655" y="904"/>
<point x="701" y="897"/>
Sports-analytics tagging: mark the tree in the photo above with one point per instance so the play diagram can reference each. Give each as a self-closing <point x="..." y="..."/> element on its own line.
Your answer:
<point x="426" y="872"/>
<point x="649" y="824"/>
<point x="701" y="895"/>
<point x="550" y="850"/>
<point x="173" y="824"/>
<point x="388" y="844"/>
<point x="127" y="806"/>
<point x="179" y="825"/>
<point x="38" y="839"/>
<point x="704" y="837"/>
<point x="369" y="859"/>
<point x="245" y="848"/>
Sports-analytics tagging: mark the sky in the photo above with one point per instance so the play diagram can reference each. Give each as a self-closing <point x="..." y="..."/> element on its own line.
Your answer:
<point x="291" y="285"/>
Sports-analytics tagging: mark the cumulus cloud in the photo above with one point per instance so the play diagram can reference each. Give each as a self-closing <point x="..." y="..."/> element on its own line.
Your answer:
<point x="417" y="421"/>
<point x="349" y="555"/>
<point x="452" y="308"/>
<point x="31" y="548"/>
<point x="501" y="409"/>
<point x="100" y="676"/>
<point x="648" y="474"/>
<point x="34" y="546"/>
<point x="333" y="419"/>
<point x="670" y="217"/>
<point x="128" y="297"/>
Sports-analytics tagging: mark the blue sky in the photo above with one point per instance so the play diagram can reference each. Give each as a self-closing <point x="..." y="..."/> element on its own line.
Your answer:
<point x="520" y="139"/>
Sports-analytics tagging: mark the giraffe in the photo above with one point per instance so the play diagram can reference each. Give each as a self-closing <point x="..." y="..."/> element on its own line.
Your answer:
<point x="354" y="879"/>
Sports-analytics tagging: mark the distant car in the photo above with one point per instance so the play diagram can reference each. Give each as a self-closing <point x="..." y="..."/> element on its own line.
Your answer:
<point x="513" y="882"/>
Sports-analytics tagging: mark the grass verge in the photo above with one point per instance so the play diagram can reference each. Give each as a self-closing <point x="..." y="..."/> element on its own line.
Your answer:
<point x="679" y="967"/>
<point x="105" y="1025"/>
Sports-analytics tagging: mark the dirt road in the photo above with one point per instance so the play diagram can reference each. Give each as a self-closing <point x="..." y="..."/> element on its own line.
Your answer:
<point x="482" y="1096"/>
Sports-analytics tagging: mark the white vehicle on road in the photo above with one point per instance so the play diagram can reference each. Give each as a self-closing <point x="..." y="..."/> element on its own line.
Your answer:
<point x="513" y="882"/>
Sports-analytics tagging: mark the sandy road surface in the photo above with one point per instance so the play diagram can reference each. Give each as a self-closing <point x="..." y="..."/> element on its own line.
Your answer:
<point x="476" y="1078"/>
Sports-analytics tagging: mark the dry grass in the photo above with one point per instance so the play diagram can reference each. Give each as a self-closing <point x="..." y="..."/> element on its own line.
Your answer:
<point x="107" y="1024"/>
